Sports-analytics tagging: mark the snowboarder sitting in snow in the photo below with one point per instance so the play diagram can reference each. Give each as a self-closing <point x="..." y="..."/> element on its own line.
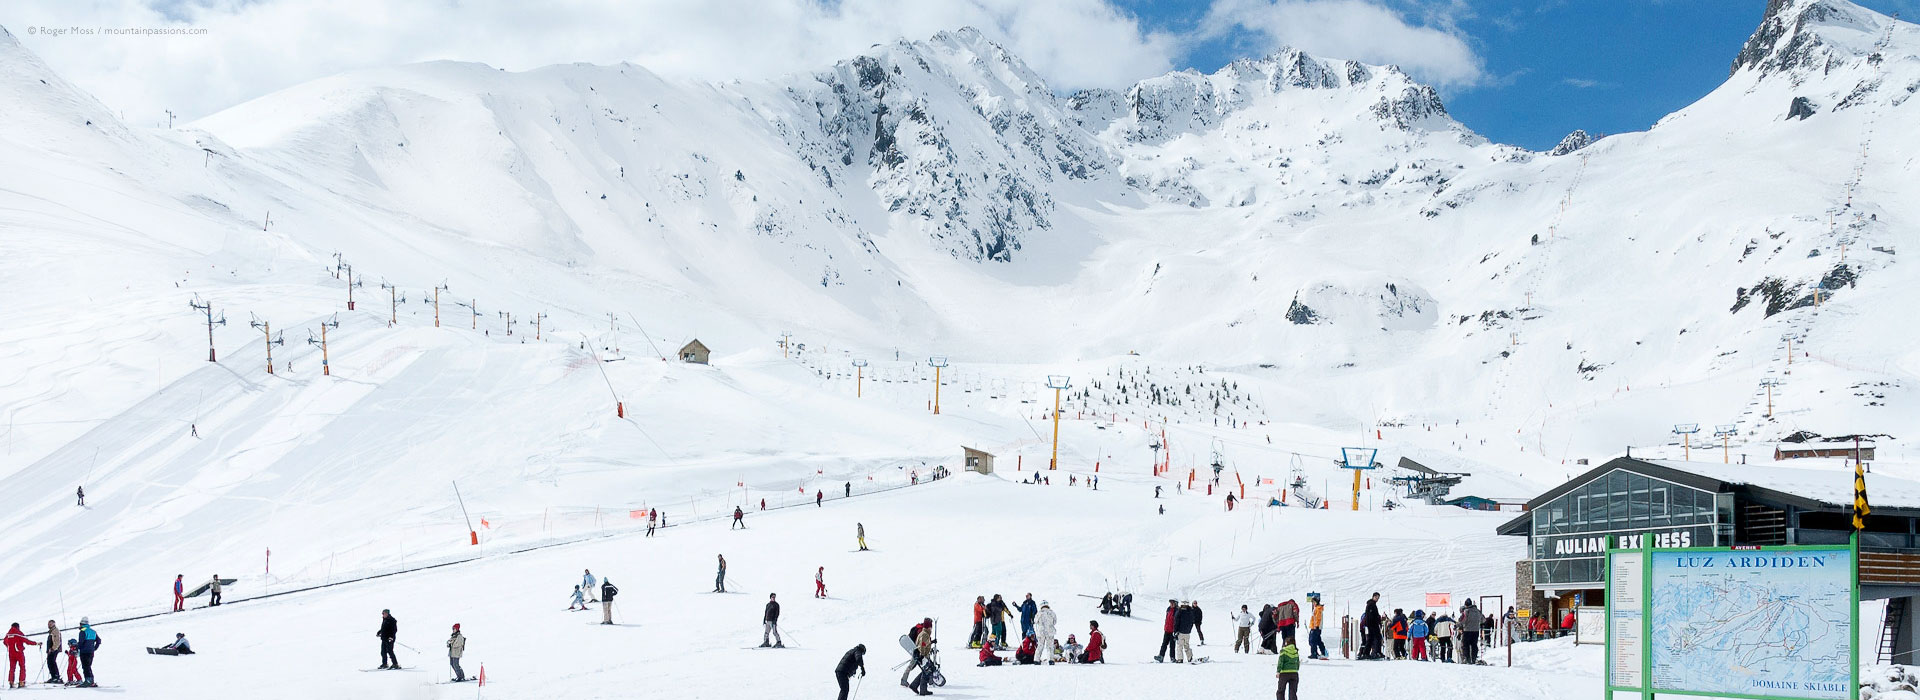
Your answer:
<point x="177" y="648"/>
<point x="987" y="657"/>
<point x="1024" y="655"/>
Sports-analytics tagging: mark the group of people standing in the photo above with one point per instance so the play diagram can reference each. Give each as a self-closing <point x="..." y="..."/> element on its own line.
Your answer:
<point x="1422" y="636"/>
<point x="1278" y="624"/>
<point x="79" y="651"/>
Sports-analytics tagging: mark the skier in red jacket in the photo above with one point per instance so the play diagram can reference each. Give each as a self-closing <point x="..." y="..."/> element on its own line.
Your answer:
<point x="16" y="643"/>
<point x="1096" y="645"/>
<point x="179" y="591"/>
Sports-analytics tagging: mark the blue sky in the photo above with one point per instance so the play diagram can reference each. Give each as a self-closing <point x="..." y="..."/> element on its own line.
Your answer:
<point x="1548" y="67"/>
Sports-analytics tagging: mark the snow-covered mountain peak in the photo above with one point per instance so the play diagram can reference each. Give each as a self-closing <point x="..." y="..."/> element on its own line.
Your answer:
<point x="1800" y="35"/>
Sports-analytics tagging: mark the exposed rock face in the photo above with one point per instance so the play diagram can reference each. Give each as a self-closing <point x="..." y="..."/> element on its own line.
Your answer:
<point x="1800" y="109"/>
<point x="1573" y="142"/>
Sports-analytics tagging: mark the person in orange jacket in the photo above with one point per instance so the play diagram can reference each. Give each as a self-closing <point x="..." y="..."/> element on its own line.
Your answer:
<point x="17" y="643"/>
<point x="979" y="622"/>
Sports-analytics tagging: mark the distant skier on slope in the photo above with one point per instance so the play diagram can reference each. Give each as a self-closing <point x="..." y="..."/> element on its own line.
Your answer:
<point x="81" y="493"/>
<point x="818" y="496"/>
<point x="213" y="591"/>
<point x="849" y="489"/>
<point x="739" y="521"/>
<point x="389" y="632"/>
<point x="820" y="583"/>
<point x="179" y="592"/>
<point x="770" y="624"/>
<point x="607" y="592"/>
<point x="860" y="532"/>
<point x="720" y="578"/>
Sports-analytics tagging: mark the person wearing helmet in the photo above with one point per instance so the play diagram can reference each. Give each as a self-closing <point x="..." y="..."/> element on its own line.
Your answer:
<point x="456" y="646"/>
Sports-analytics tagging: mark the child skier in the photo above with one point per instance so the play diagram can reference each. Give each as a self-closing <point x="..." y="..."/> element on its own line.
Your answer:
<point x="1288" y="671"/>
<point x="73" y="662"/>
<point x="579" y="600"/>
<point x="1417" y="630"/>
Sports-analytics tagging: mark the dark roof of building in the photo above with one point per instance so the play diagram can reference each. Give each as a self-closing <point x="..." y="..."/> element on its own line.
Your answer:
<point x="1827" y="490"/>
<point x="1417" y="467"/>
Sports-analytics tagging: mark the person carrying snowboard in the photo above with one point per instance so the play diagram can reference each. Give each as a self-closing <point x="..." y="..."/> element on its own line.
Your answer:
<point x="855" y="658"/>
<point x="820" y="583"/>
<point x="607" y="592"/>
<point x="770" y="624"/>
<point x="179" y="592"/>
<point x="456" y="646"/>
<point x="720" y="577"/>
<point x="922" y="638"/>
<point x="587" y="584"/>
<point x="17" y="643"/>
<point x="388" y="632"/>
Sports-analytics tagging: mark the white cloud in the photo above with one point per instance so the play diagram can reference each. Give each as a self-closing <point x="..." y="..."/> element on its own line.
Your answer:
<point x="256" y="46"/>
<point x="1433" y="50"/>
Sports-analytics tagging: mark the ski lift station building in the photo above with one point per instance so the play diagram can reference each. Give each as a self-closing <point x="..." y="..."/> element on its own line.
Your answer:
<point x="977" y="460"/>
<point x="1709" y="504"/>
<point x="695" y="352"/>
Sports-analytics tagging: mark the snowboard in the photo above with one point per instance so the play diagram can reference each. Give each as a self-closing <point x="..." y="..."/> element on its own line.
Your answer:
<point x="163" y="651"/>
<point x="202" y="590"/>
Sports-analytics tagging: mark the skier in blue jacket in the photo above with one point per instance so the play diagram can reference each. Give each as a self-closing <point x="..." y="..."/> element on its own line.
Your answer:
<point x="89" y="643"/>
<point x="1027" y="610"/>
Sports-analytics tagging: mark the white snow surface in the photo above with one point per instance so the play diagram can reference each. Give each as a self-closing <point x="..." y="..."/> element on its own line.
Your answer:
<point x="1286" y="257"/>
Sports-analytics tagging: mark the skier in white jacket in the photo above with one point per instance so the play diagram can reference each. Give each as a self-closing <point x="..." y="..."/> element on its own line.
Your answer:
<point x="1043" y="625"/>
<point x="1243" y="622"/>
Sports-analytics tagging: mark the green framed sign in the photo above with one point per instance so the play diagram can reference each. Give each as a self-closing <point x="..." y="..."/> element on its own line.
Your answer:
<point x="1762" y="623"/>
